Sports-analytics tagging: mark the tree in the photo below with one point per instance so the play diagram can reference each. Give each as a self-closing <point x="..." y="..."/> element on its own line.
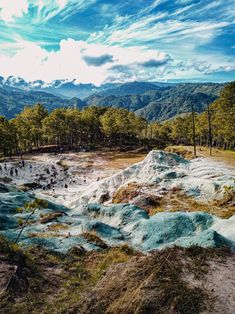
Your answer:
<point x="28" y="126"/>
<point x="54" y="127"/>
<point x="7" y="137"/>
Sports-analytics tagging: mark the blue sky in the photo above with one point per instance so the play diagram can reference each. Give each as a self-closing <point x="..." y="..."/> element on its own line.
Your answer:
<point x="98" y="41"/>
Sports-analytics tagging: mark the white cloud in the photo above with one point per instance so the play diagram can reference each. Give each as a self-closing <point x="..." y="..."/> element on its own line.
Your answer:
<point x="9" y="9"/>
<point x="44" y="9"/>
<point x="33" y="62"/>
<point x="150" y="29"/>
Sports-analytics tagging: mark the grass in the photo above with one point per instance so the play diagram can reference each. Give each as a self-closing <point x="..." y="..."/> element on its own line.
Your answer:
<point x="177" y="201"/>
<point x="225" y="156"/>
<point x="93" y="238"/>
<point x="57" y="283"/>
<point x="57" y="227"/>
<point x="126" y="193"/>
<point x="161" y="282"/>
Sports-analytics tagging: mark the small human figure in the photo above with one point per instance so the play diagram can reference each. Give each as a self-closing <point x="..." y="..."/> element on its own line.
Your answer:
<point x="0" y="168"/>
<point x="22" y="163"/>
<point x="30" y="168"/>
<point x="53" y="190"/>
<point x="16" y="171"/>
<point x="11" y="172"/>
<point x="98" y="179"/>
<point x="5" y="166"/>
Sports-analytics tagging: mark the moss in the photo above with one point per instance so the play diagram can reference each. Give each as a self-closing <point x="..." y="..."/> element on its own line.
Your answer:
<point x="36" y="203"/>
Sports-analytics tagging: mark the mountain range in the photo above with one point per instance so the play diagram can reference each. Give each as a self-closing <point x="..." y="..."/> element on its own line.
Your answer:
<point x="154" y="101"/>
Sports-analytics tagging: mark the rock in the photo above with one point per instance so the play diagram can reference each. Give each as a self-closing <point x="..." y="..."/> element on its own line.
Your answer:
<point x="4" y="188"/>
<point x="30" y="186"/>
<point x="104" y="198"/>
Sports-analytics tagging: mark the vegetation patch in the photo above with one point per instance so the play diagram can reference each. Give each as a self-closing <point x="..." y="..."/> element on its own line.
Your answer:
<point x="59" y="281"/>
<point x="57" y="227"/>
<point x="126" y="193"/>
<point x="115" y="280"/>
<point x="177" y="201"/>
<point x="94" y="239"/>
<point x="180" y="150"/>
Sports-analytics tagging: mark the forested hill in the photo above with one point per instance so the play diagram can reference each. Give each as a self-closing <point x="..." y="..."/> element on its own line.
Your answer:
<point x="165" y="102"/>
<point x="13" y="100"/>
<point x="153" y="101"/>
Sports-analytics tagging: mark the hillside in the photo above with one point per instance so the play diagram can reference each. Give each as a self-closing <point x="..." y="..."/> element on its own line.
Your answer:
<point x="163" y="102"/>
<point x="153" y="101"/>
<point x="133" y="88"/>
<point x="13" y="100"/>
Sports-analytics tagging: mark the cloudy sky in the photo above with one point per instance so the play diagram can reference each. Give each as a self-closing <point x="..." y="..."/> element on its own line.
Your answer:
<point x="97" y="41"/>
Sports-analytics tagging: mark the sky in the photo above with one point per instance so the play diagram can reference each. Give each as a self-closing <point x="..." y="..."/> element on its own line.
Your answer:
<point x="101" y="41"/>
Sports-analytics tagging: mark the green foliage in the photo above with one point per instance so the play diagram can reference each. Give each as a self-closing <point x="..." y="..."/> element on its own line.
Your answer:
<point x="12" y="101"/>
<point x="7" y="137"/>
<point x="35" y="127"/>
<point x="222" y="117"/>
<point x="97" y="125"/>
<point x="36" y="204"/>
<point x="159" y="103"/>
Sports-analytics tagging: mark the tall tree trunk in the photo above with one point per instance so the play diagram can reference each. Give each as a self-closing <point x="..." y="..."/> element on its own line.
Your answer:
<point x="209" y="129"/>
<point x="194" y="132"/>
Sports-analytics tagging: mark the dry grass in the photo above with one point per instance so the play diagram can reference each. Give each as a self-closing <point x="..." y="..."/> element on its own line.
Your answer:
<point x="57" y="227"/>
<point x="126" y="193"/>
<point x="185" y="153"/>
<point x="225" y="156"/>
<point x="177" y="201"/>
<point x="93" y="238"/>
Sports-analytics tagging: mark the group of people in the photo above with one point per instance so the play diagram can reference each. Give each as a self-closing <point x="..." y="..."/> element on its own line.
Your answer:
<point x="49" y="177"/>
<point x="13" y="170"/>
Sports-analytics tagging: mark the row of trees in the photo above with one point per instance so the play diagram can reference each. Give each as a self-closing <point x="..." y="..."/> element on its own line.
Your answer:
<point x="35" y="127"/>
<point x="95" y="125"/>
<point x="214" y="127"/>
